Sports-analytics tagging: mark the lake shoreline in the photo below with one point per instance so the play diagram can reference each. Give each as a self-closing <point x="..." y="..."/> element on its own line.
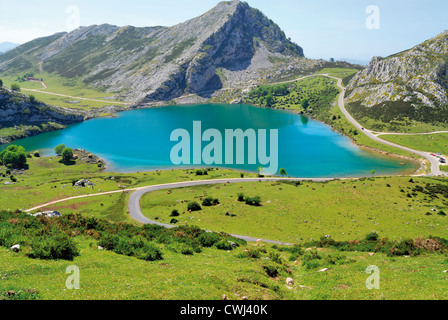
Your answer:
<point x="109" y="167"/>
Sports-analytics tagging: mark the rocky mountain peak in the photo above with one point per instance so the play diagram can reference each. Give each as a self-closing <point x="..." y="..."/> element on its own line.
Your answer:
<point x="160" y="63"/>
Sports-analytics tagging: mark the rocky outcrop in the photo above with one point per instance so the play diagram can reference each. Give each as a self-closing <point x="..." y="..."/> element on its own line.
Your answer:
<point x="18" y="108"/>
<point x="417" y="77"/>
<point x="200" y="71"/>
<point x="160" y="63"/>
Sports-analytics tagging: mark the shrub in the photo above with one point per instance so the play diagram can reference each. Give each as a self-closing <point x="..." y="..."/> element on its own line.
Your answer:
<point x="271" y="270"/>
<point x="224" y="245"/>
<point x="174" y="213"/>
<point x="209" y="239"/>
<point x="37" y="154"/>
<point x="58" y="246"/>
<point x="241" y="197"/>
<point x="250" y="253"/>
<point x="174" y="221"/>
<point x="194" y="206"/>
<point x="209" y="201"/>
<point x="275" y="257"/>
<point x="372" y="236"/>
<point x="253" y="201"/>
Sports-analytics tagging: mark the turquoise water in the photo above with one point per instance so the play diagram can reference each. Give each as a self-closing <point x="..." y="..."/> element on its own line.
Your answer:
<point x="139" y="140"/>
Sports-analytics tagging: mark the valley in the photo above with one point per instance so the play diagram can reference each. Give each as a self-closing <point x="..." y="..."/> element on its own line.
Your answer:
<point x="123" y="154"/>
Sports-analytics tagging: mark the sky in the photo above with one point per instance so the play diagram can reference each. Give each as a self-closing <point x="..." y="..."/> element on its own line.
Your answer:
<point x="350" y="29"/>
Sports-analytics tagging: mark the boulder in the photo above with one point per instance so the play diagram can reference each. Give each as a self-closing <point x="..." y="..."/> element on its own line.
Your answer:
<point x="15" y="248"/>
<point x="83" y="183"/>
<point x="289" y="281"/>
<point x="47" y="214"/>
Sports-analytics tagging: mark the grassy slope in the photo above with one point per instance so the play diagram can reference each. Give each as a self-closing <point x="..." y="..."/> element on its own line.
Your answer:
<point x="212" y="273"/>
<point x="294" y="214"/>
<point x="48" y="180"/>
<point x="70" y="87"/>
<point x="430" y="143"/>
<point x="208" y="275"/>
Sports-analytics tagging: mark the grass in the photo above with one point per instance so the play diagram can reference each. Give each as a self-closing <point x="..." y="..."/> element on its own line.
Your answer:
<point x="212" y="273"/>
<point x="338" y="72"/>
<point x="431" y="143"/>
<point x="344" y="210"/>
<point x="48" y="180"/>
<point x="65" y="86"/>
<point x="335" y="208"/>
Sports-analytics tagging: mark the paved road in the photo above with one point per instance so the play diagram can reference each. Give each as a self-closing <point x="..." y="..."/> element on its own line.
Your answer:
<point x="137" y="214"/>
<point x="435" y="165"/>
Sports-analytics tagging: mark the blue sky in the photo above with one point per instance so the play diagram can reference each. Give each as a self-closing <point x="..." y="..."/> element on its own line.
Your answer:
<point x="324" y="28"/>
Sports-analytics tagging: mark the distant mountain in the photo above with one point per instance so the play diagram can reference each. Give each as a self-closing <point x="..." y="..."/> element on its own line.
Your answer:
<point x="159" y="63"/>
<point x="6" y="46"/>
<point x="410" y="85"/>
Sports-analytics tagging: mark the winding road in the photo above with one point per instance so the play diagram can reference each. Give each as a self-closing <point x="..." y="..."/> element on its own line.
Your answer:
<point x="134" y="205"/>
<point x="435" y="165"/>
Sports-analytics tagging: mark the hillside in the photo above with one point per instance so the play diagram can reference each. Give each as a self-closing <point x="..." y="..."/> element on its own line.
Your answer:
<point x="406" y="89"/>
<point x="22" y="116"/>
<point x="159" y="63"/>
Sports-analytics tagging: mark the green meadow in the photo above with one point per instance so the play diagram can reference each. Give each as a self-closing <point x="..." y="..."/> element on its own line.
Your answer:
<point x="74" y="88"/>
<point x="393" y="207"/>
<point x="345" y="210"/>
<point x="436" y="143"/>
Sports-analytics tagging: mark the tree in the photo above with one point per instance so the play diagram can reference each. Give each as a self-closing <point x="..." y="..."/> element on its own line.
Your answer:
<point x="32" y="99"/>
<point x="372" y="172"/>
<point x="260" y="171"/>
<point x="331" y="59"/>
<point x="14" y="156"/>
<point x="269" y="100"/>
<point x="305" y="103"/>
<point x="283" y="172"/>
<point x="67" y="155"/>
<point x="1" y="83"/>
<point x="15" y="87"/>
<point x="59" y="149"/>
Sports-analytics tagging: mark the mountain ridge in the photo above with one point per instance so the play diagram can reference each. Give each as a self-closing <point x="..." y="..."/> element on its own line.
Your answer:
<point x="412" y="85"/>
<point x="141" y="65"/>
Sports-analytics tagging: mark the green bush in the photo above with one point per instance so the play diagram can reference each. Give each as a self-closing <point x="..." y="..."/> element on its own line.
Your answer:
<point x="224" y="245"/>
<point x="210" y="201"/>
<point x="194" y="206"/>
<point x="250" y="253"/>
<point x="271" y="270"/>
<point x="253" y="201"/>
<point x="174" y="213"/>
<point x="241" y="197"/>
<point x="209" y="239"/>
<point x="57" y="246"/>
<point x="372" y="236"/>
